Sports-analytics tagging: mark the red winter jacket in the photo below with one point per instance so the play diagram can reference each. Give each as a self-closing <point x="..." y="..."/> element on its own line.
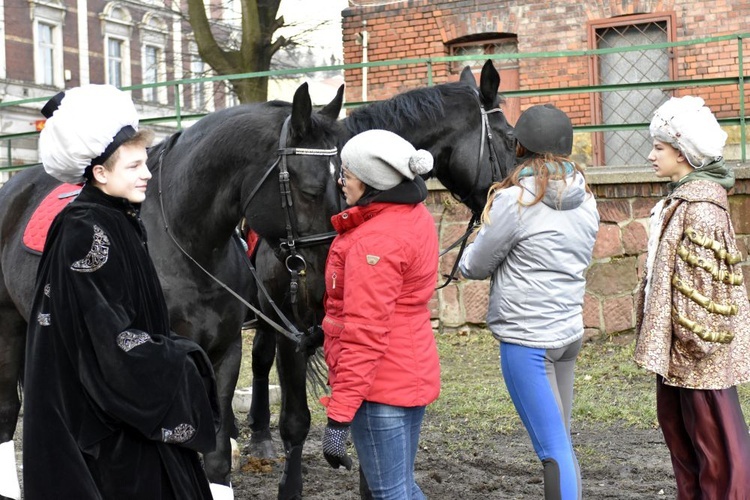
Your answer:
<point x="380" y="275"/>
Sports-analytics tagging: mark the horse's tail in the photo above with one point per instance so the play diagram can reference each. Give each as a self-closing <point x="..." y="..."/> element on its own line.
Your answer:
<point x="317" y="374"/>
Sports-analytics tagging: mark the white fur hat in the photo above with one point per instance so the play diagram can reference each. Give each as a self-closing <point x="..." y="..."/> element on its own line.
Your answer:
<point x="382" y="159"/>
<point x="84" y="124"/>
<point x="688" y="125"/>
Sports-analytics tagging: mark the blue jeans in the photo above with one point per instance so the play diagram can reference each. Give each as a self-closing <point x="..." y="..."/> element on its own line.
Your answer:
<point x="386" y="438"/>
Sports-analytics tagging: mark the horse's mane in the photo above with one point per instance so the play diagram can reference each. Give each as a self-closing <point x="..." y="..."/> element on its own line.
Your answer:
<point x="406" y="110"/>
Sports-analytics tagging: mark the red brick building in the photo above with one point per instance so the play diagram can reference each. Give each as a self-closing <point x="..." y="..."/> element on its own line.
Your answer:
<point x="567" y="32"/>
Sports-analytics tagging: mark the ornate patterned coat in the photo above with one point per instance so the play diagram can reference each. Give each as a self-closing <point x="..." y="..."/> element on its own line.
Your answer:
<point x="693" y="316"/>
<point x="115" y="405"/>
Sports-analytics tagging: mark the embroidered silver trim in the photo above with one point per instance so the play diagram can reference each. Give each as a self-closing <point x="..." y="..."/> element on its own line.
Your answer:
<point x="97" y="256"/>
<point x="128" y="339"/>
<point x="47" y="289"/>
<point x="43" y="319"/>
<point x="180" y="434"/>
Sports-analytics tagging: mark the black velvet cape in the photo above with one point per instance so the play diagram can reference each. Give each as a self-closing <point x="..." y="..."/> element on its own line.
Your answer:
<point x="115" y="405"/>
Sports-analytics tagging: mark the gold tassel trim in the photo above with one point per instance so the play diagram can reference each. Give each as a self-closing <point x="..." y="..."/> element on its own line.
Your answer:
<point x="701" y="331"/>
<point x="713" y="245"/>
<point x="702" y="300"/>
<point x="695" y="261"/>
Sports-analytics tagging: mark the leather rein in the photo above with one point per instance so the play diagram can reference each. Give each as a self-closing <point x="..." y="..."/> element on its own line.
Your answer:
<point x="485" y="136"/>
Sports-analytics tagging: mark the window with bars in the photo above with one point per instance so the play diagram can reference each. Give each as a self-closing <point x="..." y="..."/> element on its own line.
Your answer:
<point x="629" y="106"/>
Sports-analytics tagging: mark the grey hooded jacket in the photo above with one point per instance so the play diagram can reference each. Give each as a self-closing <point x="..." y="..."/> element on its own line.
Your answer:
<point x="537" y="256"/>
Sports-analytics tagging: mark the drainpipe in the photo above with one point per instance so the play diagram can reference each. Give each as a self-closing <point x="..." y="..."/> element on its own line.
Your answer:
<point x="364" y="60"/>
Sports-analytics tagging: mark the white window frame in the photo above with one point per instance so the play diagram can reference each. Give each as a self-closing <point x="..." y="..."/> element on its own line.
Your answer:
<point x="109" y="59"/>
<point x="50" y="14"/>
<point x="117" y="24"/>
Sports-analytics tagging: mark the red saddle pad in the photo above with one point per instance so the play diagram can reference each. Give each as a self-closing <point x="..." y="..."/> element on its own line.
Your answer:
<point x="36" y="230"/>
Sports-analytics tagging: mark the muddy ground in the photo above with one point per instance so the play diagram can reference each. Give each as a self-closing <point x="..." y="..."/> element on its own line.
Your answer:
<point x="616" y="463"/>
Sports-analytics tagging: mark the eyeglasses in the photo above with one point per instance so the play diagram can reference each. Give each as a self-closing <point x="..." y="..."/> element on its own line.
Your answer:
<point x="342" y="177"/>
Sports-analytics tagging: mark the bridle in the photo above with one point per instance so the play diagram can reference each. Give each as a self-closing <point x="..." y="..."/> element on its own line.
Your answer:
<point x="287" y="251"/>
<point x="294" y="261"/>
<point x="484" y="136"/>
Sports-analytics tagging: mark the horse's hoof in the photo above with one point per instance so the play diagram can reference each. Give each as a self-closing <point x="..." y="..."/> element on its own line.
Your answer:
<point x="261" y="445"/>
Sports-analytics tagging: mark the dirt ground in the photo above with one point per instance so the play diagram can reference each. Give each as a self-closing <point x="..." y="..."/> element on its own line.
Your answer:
<point x="616" y="463"/>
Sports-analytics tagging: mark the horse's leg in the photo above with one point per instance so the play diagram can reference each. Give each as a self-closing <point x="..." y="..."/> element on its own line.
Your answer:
<point x="12" y="346"/>
<point x="218" y="463"/>
<point x="294" y="419"/>
<point x="259" y="417"/>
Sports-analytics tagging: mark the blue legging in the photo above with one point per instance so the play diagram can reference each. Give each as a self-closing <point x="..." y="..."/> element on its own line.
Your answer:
<point x="540" y="383"/>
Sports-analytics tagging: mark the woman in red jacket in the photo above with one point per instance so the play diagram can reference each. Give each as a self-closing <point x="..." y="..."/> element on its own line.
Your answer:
<point x="379" y="345"/>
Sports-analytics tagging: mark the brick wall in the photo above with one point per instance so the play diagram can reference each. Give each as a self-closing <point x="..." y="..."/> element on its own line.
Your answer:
<point x="426" y="28"/>
<point x="625" y="197"/>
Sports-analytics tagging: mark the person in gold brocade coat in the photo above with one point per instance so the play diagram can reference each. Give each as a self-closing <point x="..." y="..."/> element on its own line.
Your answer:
<point x="693" y="316"/>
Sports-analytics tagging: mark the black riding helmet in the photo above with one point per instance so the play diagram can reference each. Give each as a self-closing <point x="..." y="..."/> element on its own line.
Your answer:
<point x="545" y="129"/>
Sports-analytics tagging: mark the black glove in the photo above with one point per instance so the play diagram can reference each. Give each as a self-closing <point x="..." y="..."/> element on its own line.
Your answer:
<point x="334" y="445"/>
<point x="311" y="340"/>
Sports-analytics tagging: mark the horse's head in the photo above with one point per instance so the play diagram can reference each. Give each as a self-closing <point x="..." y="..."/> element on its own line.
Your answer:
<point x="460" y="123"/>
<point x="483" y="152"/>
<point x="299" y="196"/>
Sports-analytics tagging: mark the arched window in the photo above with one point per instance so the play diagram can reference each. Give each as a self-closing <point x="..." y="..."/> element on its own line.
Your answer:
<point x="117" y="28"/>
<point x="481" y="45"/>
<point x="47" y="25"/>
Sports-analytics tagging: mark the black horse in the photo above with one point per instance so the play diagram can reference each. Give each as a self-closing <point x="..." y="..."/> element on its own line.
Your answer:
<point x="269" y="163"/>
<point x="473" y="145"/>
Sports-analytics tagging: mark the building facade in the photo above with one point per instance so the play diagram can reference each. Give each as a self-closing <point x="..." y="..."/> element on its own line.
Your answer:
<point x="588" y="58"/>
<point x="51" y="45"/>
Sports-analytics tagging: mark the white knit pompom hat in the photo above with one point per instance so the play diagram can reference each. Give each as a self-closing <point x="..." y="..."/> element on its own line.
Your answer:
<point x="382" y="159"/>
<point x="688" y="125"/>
<point x="84" y="124"/>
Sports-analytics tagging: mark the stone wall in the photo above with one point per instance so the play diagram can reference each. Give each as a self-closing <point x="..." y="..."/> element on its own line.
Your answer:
<point x="625" y="197"/>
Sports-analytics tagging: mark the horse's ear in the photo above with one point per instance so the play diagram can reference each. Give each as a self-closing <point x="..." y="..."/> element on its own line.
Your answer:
<point x="467" y="76"/>
<point x="333" y="108"/>
<point x="489" y="83"/>
<point x="301" y="111"/>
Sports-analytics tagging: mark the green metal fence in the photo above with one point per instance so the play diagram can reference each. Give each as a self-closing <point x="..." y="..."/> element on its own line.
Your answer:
<point x="179" y="117"/>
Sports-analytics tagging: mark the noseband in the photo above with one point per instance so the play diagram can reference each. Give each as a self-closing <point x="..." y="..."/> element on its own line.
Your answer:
<point x="288" y="247"/>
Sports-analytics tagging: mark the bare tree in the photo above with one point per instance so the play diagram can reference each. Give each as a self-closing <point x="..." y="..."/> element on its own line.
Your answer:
<point x="254" y="48"/>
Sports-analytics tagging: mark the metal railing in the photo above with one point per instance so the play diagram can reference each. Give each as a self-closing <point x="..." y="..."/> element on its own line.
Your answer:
<point x="179" y="116"/>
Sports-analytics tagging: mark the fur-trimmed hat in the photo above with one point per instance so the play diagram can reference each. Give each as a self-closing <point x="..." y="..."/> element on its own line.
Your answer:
<point x="688" y="125"/>
<point x="85" y="125"/>
<point x="382" y="159"/>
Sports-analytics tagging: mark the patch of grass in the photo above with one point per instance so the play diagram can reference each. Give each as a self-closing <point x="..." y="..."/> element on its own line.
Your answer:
<point x="473" y="395"/>
<point x="609" y="387"/>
